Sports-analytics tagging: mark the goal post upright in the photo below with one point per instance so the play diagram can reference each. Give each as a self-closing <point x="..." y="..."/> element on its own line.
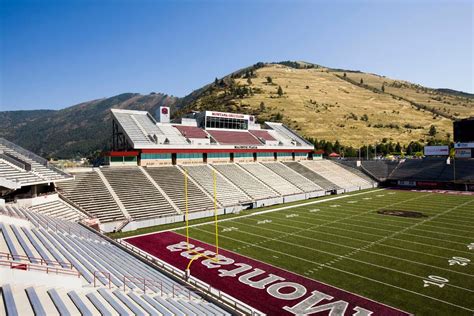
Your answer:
<point x="197" y="255"/>
<point x="215" y="211"/>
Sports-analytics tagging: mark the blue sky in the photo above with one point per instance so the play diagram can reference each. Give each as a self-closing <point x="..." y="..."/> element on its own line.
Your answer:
<point x="55" y="54"/>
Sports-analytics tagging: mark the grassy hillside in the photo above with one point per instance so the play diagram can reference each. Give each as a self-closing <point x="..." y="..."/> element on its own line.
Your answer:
<point x="78" y="130"/>
<point x="325" y="104"/>
<point x="319" y="102"/>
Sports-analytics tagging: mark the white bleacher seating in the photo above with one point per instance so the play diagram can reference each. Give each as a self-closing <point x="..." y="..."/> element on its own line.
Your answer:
<point x="292" y="176"/>
<point x="245" y="181"/>
<point x="310" y="175"/>
<point x="90" y="193"/>
<point x="227" y="194"/>
<point x="338" y="175"/>
<point x="71" y="247"/>
<point x="140" y="197"/>
<point x="18" y="175"/>
<point x="270" y="178"/>
<point x="286" y="135"/>
<point x="39" y="168"/>
<point x="171" y="180"/>
<point x="173" y="135"/>
<point x="59" y="209"/>
<point x="138" y="135"/>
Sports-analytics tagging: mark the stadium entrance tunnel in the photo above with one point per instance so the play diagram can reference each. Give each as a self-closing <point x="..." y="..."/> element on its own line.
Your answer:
<point x="402" y="213"/>
<point x="248" y="206"/>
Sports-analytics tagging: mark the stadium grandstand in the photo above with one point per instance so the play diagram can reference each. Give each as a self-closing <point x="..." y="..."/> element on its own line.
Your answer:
<point x="56" y="258"/>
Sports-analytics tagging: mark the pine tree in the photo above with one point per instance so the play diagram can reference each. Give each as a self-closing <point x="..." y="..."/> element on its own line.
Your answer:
<point x="361" y="81"/>
<point x="432" y="131"/>
<point x="383" y="88"/>
<point x="269" y="80"/>
<point x="280" y="91"/>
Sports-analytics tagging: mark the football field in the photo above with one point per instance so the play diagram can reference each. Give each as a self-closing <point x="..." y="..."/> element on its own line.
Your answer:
<point x="410" y="250"/>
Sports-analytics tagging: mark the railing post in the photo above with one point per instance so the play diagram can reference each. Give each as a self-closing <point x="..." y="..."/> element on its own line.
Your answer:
<point x="110" y="282"/>
<point x="144" y="286"/>
<point x="94" y="278"/>
<point x="124" y="283"/>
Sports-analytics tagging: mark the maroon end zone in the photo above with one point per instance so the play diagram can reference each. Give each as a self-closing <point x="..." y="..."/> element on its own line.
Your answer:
<point x="269" y="289"/>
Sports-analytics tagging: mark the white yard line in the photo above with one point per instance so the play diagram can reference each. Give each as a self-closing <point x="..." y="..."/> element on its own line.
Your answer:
<point x="350" y="273"/>
<point x="365" y="227"/>
<point x="365" y="241"/>
<point x="338" y="257"/>
<point x="261" y="212"/>
<point x="354" y="248"/>
<point x="402" y="240"/>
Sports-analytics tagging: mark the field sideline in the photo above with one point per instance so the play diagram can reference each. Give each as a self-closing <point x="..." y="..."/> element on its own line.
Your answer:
<point x="420" y="265"/>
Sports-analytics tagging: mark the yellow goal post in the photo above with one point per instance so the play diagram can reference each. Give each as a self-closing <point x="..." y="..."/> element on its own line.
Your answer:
<point x="186" y="201"/>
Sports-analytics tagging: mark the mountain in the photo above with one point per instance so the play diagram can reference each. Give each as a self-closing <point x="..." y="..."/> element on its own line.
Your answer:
<point x="353" y="107"/>
<point x="78" y="130"/>
<point x="329" y="104"/>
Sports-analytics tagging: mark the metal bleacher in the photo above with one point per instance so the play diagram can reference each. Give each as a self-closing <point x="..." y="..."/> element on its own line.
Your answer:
<point x="358" y="172"/>
<point x="227" y="194"/>
<point x="15" y="174"/>
<point x="270" y="178"/>
<point x="19" y="167"/>
<point x="311" y="175"/>
<point x="113" y="281"/>
<point x="292" y="176"/>
<point x="59" y="209"/>
<point x="338" y="175"/>
<point x="286" y="135"/>
<point x="140" y="197"/>
<point x="245" y="181"/>
<point x="171" y="180"/>
<point x="90" y="193"/>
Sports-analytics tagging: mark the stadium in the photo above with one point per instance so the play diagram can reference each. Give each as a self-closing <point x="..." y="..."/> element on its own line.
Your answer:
<point x="215" y="214"/>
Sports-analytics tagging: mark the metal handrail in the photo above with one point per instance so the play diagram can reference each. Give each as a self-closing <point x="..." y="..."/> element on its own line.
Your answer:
<point x="104" y="273"/>
<point x="42" y="261"/>
<point x="146" y="282"/>
<point x="33" y="267"/>
<point x="199" y="286"/>
<point x="3" y="211"/>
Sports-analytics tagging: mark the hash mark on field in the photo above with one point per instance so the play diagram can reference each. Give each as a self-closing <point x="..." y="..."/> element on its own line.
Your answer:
<point x="367" y="198"/>
<point x="229" y="229"/>
<point x="291" y="215"/>
<point x="314" y="210"/>
<point x="351" y="202"/>
<point x="334" y="205"/>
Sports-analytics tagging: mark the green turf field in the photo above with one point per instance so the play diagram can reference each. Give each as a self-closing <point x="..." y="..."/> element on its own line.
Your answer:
<point x="421" y="265"/>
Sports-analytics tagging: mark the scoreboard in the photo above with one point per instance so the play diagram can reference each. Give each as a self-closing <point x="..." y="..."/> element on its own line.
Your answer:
<point x="464" y="130"/>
